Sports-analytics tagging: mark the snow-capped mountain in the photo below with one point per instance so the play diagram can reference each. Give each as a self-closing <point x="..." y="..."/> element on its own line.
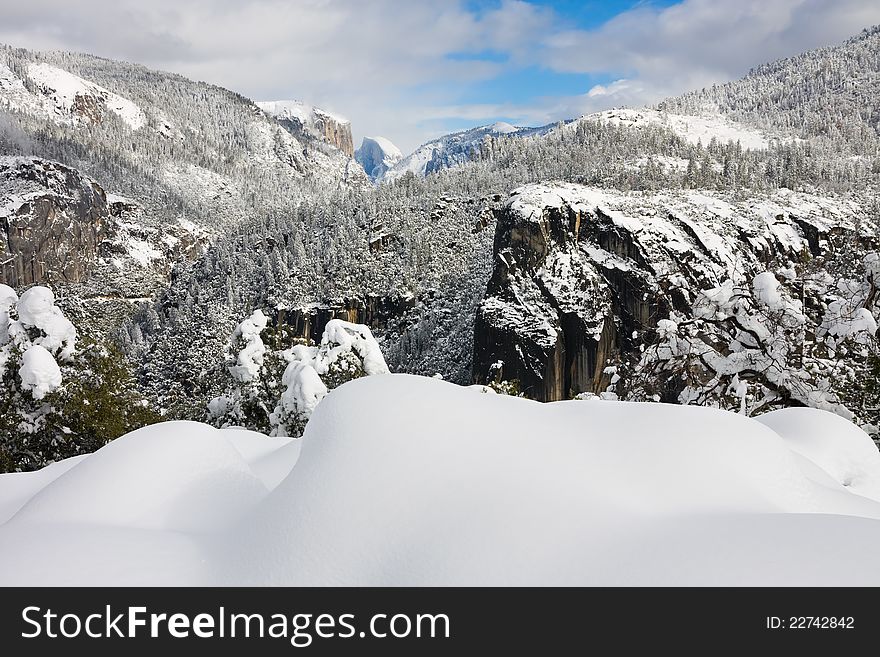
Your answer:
<point x="377" y="155"/>
<point x="320" y="123"/>
<point x="455" y="148"/>
<point x="149" y="135"/>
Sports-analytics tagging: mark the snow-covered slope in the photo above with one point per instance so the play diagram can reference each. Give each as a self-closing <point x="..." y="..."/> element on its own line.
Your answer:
<point x="14" y="95"/>
<point x="297" y="109"/>
<point x="75" y="97"/>
<point x="166" y="123"/>
<point x="411" y="481"/>
<point x="824" y="94"/>
<point x="154" y="140"/>
<point x="456" y="148"/>
<point x="700" y="128"/>
<point x="377" y="155"/>
<point x="64" y="97"/>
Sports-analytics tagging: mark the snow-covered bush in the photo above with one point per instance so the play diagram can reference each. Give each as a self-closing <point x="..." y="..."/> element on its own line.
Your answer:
<point x="754" y="347"/>
<point x="34" y="337"/>
<point x="60" y="396"/>
<point x="846" y="351"/>
<point x="276" y="391"/>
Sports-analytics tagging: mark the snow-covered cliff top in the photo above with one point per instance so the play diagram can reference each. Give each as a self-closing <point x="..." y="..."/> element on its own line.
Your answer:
<point x="297" y="109"/>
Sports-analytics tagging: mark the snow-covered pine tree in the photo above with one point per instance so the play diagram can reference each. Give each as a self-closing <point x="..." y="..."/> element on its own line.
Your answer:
<point x="275" y="389"/>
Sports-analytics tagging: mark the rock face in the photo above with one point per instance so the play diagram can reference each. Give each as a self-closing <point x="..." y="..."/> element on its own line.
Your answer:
<point x="377" y="155"/>
<point x="52" y="222"/>
<point x="300" y="117"/>
<point x="581" y="275"/>
<point x="309" y="322"/>
<point x="335" y="130"/>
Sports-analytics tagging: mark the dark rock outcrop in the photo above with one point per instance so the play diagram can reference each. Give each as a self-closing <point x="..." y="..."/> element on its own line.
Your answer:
<point x="308" y="322"/>
<point x="52" y="222"/>
<point x="582" y="275"/>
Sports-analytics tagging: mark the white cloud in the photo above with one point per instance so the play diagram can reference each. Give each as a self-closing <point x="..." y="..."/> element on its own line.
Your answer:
<point x="386" y="63"/>
<point x="666" y="51"/>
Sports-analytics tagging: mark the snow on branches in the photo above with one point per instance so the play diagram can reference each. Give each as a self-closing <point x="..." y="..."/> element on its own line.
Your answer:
<point x="276" y="391"/>
<point x="33" y="334"/>
<point x="59" y="396"/>
<point x="752" y="346"/>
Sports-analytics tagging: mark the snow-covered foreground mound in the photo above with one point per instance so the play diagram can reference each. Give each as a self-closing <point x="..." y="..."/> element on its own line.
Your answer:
<point x="406" y="480"/>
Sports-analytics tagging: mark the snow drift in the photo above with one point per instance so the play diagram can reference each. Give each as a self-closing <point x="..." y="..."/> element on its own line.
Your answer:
<point x="404" y="480"/>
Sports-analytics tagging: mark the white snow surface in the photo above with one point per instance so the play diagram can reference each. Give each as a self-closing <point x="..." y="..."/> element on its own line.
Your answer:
<point x="837" y="446"/>
<point x="405" y="480"/>
<point x="502" y="128"/>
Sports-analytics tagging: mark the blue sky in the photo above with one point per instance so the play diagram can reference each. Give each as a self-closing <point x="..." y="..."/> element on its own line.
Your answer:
<point x="519" y="84"/>
<point x="582" y="13"/>
<point x="415" y="69"/>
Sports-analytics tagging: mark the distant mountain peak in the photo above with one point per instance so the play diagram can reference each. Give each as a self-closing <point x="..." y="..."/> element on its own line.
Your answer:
<point x="377" y="155"/>
<point x="456" y="148"/>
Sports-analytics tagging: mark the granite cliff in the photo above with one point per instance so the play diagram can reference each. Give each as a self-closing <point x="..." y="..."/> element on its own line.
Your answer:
<point x="583" y="276"/>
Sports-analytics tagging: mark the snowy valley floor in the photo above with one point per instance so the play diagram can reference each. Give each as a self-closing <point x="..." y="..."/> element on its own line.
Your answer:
<point x="403" y="480"/>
